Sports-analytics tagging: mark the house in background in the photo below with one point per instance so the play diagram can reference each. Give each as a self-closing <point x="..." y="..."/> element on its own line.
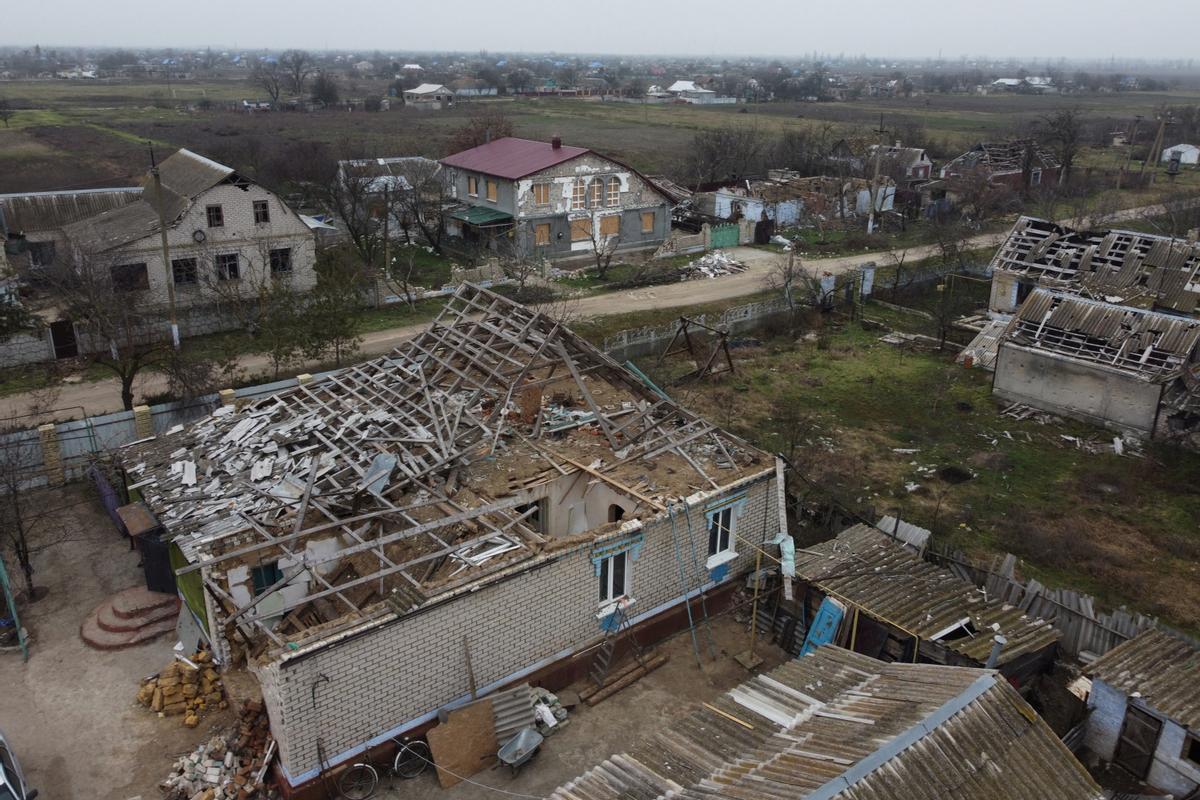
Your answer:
<point x="1145" y="710"/>
<point x="429" y="93"/>
<point x="1188" y="154"/>
<point x="905" y="164"/>
<point x="1019" y="164"/>
<point x="689" y="92"/>
<point x="552" y="200"/>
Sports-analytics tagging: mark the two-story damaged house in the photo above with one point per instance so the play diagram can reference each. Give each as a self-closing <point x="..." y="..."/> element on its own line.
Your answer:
<point x="553" y="200"/>
<point x="482" y="505"/>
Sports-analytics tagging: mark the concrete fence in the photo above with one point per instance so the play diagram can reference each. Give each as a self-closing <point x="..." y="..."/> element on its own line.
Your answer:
<point x="739" y="319"/>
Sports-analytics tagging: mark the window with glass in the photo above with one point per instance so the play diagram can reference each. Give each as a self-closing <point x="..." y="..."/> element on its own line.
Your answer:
<point x="216" y="216"/>
<point x="720" y="532"/>
<point x="281" y="260"/>
<point x="262" y="212"/>
<point x="614" y="577"/>
<point x="227" y="266"/>
<point x="184" y="272"/>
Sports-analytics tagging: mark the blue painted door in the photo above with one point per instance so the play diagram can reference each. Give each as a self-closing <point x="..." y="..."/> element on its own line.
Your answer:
<point x="825" y="626"/>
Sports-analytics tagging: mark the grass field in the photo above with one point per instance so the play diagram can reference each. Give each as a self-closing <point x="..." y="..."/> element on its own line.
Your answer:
<point x="889" y="431"/>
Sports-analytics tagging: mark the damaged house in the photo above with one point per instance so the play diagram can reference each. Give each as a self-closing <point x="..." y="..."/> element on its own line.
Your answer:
<point x="484" y="505"/>
<point x="1145" y="710"/>
<point x="896" y="606"/>
<point x="787" y="199"/>
<point x="1019" y="164"/>
<point x="836" y="725"/>
<point x="552" y="200"/>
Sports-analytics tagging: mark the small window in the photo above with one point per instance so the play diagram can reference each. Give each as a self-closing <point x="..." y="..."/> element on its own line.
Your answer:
<point x="262" y="212"/>
<point x="227" y="267"/>
<point x="610" y="225"/>
<point x="541" y="194"/>
<point x="541" y="233"/>
<point x="1035" y="178"/>
<point x="492" y="191"/>
<point x="647" y="222"/>
<point x="216" y="217"/>
<point x="472" y="186"/>
<point x="130" y="277"/>
<point x="615" y="513"/>
<point x="579" y="194"/>
<point x="614" y="192"/>
<point x="614" y="577"/>
<point x="597" y="192"/>
<point x="41" y="254"/>
<point x="720" y="532"/>
<point x="581" y="230"/>
<point x="281" y="260"/>
<point x="1191" y="749"/>
<point x="265" y="576"/>
<point x="184" y="272"/>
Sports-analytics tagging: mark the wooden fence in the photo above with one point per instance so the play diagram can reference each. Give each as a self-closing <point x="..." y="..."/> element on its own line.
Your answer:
<point x="1086" y="633"/>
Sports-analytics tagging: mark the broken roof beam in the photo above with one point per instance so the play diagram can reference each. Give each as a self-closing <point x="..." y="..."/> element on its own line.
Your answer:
<point x="601" y="420"/>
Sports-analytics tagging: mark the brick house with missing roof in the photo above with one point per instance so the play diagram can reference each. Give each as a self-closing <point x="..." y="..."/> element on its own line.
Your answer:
<point x="1019" y="164"/>
<point x="552" y="200"/>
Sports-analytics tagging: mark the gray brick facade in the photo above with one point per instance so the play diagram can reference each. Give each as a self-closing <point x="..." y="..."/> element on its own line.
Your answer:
<point x="367" y="684"/>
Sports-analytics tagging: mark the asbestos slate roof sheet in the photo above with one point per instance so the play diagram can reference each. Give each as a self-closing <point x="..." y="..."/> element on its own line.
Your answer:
<point x="870" y="570"/>
<point x="1161" y="667"/>
<point x="48" y="211"/>
<point x="835" y="725"/>
<point x="513" y="158"/>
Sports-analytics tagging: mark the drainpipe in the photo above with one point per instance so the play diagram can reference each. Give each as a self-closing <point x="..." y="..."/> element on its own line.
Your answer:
<point x="998" y="642"/>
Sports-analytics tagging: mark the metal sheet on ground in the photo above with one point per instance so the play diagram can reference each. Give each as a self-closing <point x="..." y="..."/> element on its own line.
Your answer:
<point x="464" y="744"/>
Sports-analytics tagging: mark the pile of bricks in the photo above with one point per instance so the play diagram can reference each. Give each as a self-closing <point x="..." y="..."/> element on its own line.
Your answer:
<point x="187" y="686"/>
<point x="229" y="767"/>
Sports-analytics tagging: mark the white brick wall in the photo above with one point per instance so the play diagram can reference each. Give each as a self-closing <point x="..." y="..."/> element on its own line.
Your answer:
<point x="391" y="676"/>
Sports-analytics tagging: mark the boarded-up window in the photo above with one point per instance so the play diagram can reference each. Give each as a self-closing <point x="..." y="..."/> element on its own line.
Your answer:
<point x="472" y="186"/>
<point x="579" y="194"/>
<point x="610" y="225"/>
<point x="597" y="192"/>
<point x="541" y="233"/>
<point x="647" y="222"/>
<point x="492" y="191"/>
<point x="581" y="229"/>
<point x="541" y="194"/>
<point x="614" y="192"/>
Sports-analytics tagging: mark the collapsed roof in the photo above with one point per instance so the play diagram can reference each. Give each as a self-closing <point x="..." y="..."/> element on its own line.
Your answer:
<point x="1145" y="343"/>
<point x="996" y="158"/>
<point x="1127" y="267"/>
<point x="872" y="571"/>
<point x="835" y="725"/>
<point x="417" y="460"/>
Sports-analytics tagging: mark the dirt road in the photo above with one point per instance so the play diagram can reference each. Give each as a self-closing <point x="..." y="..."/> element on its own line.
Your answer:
<point x="102" y="397"/>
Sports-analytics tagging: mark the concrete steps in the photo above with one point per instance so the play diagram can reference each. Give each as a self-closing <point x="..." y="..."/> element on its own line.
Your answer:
<point x="129" y="618"/>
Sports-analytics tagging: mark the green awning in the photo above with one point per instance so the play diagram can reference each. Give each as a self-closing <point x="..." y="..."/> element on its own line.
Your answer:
<point x="480" y="215"/>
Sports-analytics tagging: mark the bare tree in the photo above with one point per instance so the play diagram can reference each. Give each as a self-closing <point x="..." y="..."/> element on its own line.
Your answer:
<point x="423" y="200"/>
<point x="1064" y="130"/>
<point x="521" y="261"/>
<point x="787" y="276"/>
<point x="269" y="76"/>
<point x="603" y="245"/>
<point x="349" y="192"/>
<point x="298" y="66"/>
<point x="487" y="123"/>
<point x="6" y="111"/>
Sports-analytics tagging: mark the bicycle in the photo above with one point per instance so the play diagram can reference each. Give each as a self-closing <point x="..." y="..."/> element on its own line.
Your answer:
<point x="361" y="779"/>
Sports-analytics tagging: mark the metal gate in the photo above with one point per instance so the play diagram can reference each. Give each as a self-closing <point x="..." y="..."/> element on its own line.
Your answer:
<point x="1139" y="740"/>
<point x="724" y="236"/>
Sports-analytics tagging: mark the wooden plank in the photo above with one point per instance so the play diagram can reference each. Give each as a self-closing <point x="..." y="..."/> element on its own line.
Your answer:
<point x="465" y="743"/>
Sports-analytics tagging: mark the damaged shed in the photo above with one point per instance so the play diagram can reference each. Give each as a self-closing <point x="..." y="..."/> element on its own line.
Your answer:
<point x="901" y="607"/>
<point x="481" y="505"/>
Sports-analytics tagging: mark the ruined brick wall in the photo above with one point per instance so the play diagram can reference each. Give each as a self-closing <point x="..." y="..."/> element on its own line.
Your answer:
<point x="396" y="674"/>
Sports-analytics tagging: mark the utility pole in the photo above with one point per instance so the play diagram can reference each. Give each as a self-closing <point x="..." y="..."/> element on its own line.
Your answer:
<point x="387" y="238"/>
<point x="875" y="178"/>
<point x="166" y="248"/>
<point x="1156" y="148"/>
<point x="1137" y="120"/>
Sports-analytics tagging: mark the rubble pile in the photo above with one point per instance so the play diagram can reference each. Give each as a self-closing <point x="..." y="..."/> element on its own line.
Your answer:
<point x="549" y="712"/>
<point x="711" y="265"/>
<point x="188" y="686"/>
<point x="228" y="767"/>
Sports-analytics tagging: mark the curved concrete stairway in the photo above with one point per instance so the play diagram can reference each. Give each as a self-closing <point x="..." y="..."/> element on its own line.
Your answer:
<point x="130" y="617"/>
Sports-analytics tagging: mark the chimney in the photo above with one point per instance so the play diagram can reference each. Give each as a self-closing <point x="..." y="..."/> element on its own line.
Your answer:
<point x="487" y="135"/>
<point x="556" y="143"/>
<point x="998" y="642"/>
<point x="897" y="144"/>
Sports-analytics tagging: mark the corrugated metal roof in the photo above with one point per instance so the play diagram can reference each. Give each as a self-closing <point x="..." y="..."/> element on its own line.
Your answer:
<point x="1159" y="666"/>
<point x="1146" y="343"/>
<point x="869" y="569"/>
<point x="834" y="725"/>
<point x="513" y="158"/>
<point x="49" y="211"/>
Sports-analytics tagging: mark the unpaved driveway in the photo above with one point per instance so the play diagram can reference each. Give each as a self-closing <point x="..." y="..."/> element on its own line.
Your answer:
<point x="70" y="712"/>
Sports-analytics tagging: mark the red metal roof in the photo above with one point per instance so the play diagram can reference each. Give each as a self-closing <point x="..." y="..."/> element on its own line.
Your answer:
<point x="512" y="158"/>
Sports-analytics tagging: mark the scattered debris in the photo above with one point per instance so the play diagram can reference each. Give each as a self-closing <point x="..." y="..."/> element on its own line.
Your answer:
<point x="187" y="686"/>
<point x="711" y="265"/>
<point x="1022" y="411"/>
<point x="227" y="766"/>
<point x="551" y="715"/>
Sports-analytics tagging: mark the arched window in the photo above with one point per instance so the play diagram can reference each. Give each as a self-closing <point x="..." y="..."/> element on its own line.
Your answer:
<point x="579" y="194"/>
<point x="614" y="192"/>
<point x="615" y="513"/>
<point x="597" y="192"/>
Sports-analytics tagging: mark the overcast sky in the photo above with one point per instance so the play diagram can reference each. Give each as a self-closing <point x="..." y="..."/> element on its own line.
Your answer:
<point x="1023" y="28"/>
